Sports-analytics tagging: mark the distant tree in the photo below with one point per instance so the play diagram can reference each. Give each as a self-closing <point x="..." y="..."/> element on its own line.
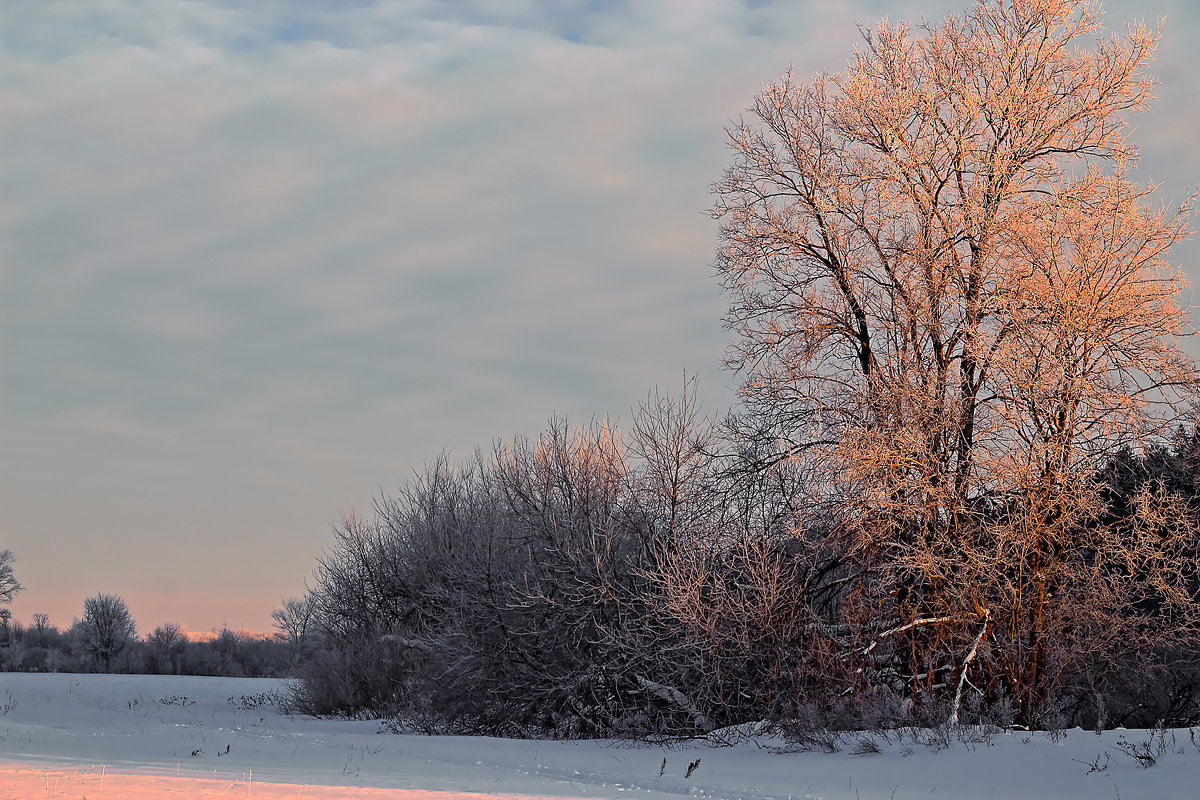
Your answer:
<point x="227" y="650"/>
<point x="106" y="629"/>
<point x="165" y="645"/>
<point x="40" y="629"/>
<point x="166" y="636"/>
<point x="294" y="620"/>
<point x="8" y="583"/>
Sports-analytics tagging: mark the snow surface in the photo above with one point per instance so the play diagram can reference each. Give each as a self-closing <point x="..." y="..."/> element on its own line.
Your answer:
<point x="147" y="736"/>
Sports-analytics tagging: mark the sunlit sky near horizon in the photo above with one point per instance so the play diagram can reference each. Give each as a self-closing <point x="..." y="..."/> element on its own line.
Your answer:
<point x="261" y="260"/>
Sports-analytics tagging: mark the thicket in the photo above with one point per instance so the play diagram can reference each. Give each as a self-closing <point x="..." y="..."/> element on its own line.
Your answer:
<point x="579" y="584"/>
<point x="669" y="585"/>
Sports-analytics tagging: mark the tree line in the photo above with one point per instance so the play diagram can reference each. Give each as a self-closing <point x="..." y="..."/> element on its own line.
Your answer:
<point x="105" y="639"/>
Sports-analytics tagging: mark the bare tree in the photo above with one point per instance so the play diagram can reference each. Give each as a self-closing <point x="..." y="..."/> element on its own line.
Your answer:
<point x="8" y="582"/>
<point x="948" y="309"/>
<point x="672" y="443"/>
<point x="165" y="646"/>
<point x="166" y="636"/>
<point x="41" y="629"/>
<point x="294" y="620"/>
<point x="106" y="629"/>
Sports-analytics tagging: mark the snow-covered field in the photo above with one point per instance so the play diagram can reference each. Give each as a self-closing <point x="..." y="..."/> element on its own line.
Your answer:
<point x="122" y="736"/>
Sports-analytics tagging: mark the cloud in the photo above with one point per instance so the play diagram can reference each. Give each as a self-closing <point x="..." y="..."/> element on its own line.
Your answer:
<point x="257" y="259"/>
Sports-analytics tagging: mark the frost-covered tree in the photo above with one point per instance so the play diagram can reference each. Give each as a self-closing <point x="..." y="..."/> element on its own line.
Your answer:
<point x="952" y="303"/>
<point x="106" y="629"/>
<point x="293" y="620"/>
<point x="164" y="646"/>
<point x="40" y="628"/>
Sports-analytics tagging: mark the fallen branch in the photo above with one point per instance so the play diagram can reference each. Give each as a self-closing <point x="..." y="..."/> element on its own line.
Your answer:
<point x="908" y="626"/>
<point x="677" y="699"/>
<point x="962" y="679"/>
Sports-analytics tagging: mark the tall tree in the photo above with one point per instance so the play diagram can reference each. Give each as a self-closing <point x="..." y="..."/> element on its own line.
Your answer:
<point x="951" y="301"/>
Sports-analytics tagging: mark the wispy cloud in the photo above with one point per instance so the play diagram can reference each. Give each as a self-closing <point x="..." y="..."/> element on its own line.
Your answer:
<point x="257" y="259"/>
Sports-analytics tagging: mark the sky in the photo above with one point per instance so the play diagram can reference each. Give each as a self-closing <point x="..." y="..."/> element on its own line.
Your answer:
<point x="261" y="261"/>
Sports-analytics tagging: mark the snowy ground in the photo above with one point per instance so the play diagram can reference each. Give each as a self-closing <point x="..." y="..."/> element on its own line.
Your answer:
<point x="121" y="736"/>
